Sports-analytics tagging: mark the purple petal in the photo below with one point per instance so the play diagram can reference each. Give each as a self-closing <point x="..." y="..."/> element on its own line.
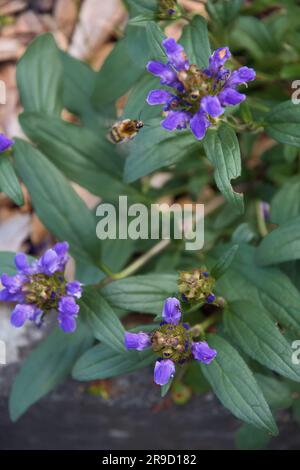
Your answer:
<point x="74" y="288"/>
<point x="138" y="341"/>
<point x="5" y="143"/>
<point x="20" y="314"/>
<point x="6" y="296"/>
<point x="159" y="97"/>
<point x="68" y="306"/>
<point x="217" y="60"/>
<point x="171" y="311"/>
<point x="231" y="97"/>
<point x="202" y="352"/>
<point x="176" y="120"/>
<point x="210" y="298"/>
<point x="67" y="323"/>
<point x="198" y="124"/>
<point x="265" y="210"/>
<point x="164" y="72"/>
<point x="35" y="315"/>
<point x="49" y="263"/>
<point x="61" y="249"/>
<point x="176" y="54"/>
<point x="13" y="283"/>
<point x="163" y="371"/>
<point x="242" y="75"/>
<point x="21" y="262"/>
<point x="211" y="105"/>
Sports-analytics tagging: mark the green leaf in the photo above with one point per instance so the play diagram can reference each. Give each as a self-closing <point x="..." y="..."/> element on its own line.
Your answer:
<point x="116" y="76"/>
<point x="79" y="84"/>
<point x="282" y="123"/>
<point x="235" y="386"/>
<point x="46" y="367"/>
<point x="9" y="182"/>
<point x="141" y="20"/>
<point x="222" y="13"/>
<point x="288" y="197"/>
<point x="137" y="7"/>
<point x="83" y="156"/>
<point x="250" y="438"/>
<point x="154" y="148"/>
<point x="155" y="37"/>
<point x="136" y="105"/>
<point x="224" y="262"/>
<point x="282" y="244"/>
<point x="195" y="379"/>
<point x="56" y="203"/>
<point x="165" y="388"/>
<point x="276" y="392"/>
<point x="145" y="293"/>
<point x="222" y="149"/>
<point x="102" y="362"/>
<point x="40" y="77"/>
<point x="257" y="335"/>
<point x="269" y="288"/>
<point x="104" y="323"/>
<point x="252" y="34"/>
<point x="195" y="42"/>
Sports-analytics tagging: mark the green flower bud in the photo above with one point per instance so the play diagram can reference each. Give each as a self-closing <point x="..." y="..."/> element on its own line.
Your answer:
<point x="195" y="286"/>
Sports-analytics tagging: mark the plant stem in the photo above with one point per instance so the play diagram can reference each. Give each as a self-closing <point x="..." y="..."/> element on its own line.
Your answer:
<point x="137" y="264"/>
<point x="214" y="204"/>
<point x="133" y="267"/>
<point x="203" y="326"/>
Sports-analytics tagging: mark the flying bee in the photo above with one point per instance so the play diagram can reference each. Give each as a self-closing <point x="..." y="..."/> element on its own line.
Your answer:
<point x="125" y="130"/>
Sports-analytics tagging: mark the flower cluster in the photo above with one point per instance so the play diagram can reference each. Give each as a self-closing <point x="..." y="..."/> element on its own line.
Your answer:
<point x="172" y="342"/>
<point x="167" y="9"/>
<point x="5" y="143"/>
<point x="198" y="97"/>
<point x="41" y="287"/>
<point x="196" y="286"/>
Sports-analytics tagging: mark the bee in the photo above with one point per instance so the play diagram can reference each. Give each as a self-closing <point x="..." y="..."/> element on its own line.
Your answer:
<point x="125" y="130"/>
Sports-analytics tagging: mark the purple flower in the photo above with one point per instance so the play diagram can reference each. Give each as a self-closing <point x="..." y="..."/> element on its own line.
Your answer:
<point x="5" y="143"/>
<point x="230" y="97"/>
<point x="68" y="310"/>
<point x="138" y="341"/>
<point x="21" y="263"/>
<point x="61" y="249"/>
<point x="199" y="123"/>
<point x="211" y="105"/>
<point x="199" y="96"/>
<point x="218" y="59"/>
<point x="162" y="97"/>
<point x="68" y="306"/>
<point x="172" y="341"/>
<point x="171" y="311"/>
<point x="166" y="74"/>
<point x="242" y="75"/>
<point x="54" y="260"/>
<point x="210" y="298"/>
<point x="163" y="371"/>
<point x="67" y="323"/>
<point x="49" y="263"/>
<point x="176" y="55"/>
<point x="23" y="312"/>
<point x="176" y="120"/>
<point x="202" y="352"/>
<point x="74" y="288"/>
<point x="41" y="287"/>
